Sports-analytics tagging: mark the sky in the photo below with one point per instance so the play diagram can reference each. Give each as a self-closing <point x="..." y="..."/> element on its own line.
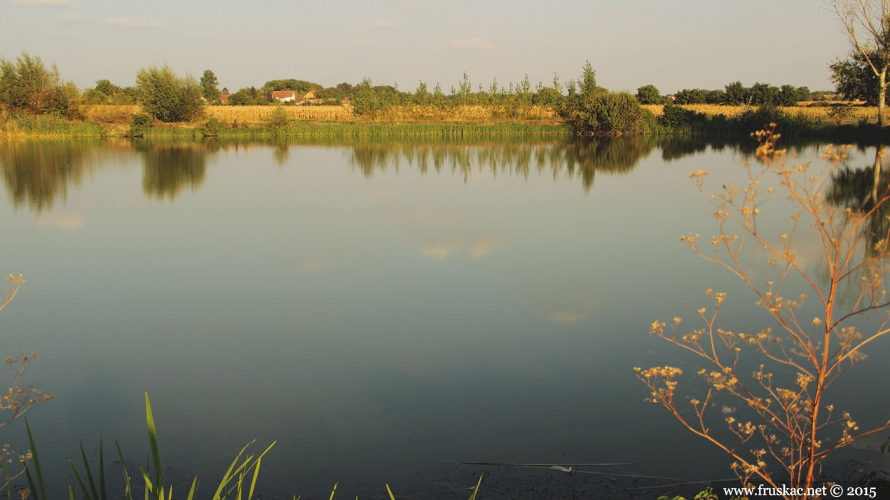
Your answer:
<point x="672" y="44"/>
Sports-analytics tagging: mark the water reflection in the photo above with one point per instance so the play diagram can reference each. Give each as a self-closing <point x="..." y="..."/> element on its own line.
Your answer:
<point x="577" y="159"/>
<point x="862" y="191"/>
<point x="38" y="173"/>
<point x="169" y="168"/>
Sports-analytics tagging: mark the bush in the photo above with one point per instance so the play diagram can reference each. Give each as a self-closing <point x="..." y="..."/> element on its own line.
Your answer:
<point x="139" y="124"/>
<point x="168" y="97"/>
<point x="211" y="128"/>
<point x="676" y="116"/>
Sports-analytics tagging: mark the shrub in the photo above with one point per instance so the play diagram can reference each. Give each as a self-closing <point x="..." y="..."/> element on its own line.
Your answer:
<point x="139" y="124"/>
<point x="210" y="129"/>
<point x="677" y="116"/>
<point x="168" y="97"/>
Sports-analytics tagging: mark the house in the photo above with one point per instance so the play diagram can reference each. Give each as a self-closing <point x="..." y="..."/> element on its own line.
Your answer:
<point x="224" y="97"/>
<point x="284" y="95"/>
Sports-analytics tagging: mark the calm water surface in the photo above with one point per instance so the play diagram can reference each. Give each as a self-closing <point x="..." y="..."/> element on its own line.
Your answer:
<point x="378" y="309"/>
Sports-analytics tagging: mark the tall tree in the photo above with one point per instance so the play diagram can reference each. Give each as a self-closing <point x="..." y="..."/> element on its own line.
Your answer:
<point x="867" y="25"/>
<point x="209" y="85"/>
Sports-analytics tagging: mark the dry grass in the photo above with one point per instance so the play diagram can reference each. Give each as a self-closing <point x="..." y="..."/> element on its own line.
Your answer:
<point x="107" y="113"/>
<point x="853" y="113"/>
<point x="258" y="115"/>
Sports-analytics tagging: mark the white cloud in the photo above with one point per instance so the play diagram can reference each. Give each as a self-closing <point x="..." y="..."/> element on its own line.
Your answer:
<point x="70" y="17"/>
<point x="129" y="22"/>
<point x="365" y="42"/>
<point x="472" y="43"/>
<point x="42" y="2"/>
<point x="378" y="24"/>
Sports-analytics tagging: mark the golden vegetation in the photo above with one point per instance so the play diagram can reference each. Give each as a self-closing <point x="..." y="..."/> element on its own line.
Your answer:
<point x="111" y="114"/>
<point x="852" y="112"/>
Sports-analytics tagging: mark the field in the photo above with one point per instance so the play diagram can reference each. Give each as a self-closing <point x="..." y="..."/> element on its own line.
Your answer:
<point x="842" y="113"/>
<point x="259" y="115"/>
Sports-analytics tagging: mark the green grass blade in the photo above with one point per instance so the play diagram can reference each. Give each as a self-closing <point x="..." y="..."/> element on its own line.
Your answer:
<point x="333" y="491"/>
<point x="193" y="490"/>
<point x="31" y="484"/>
<point x="88" y="473"/>
<point x="102" y="488"/>
<point x="8" y="479"/>
<point x="256" y="473"/>
<point x="37" y="467"/>
<point x="70" y="492"/>
<point x="128" y="491"/>
<point x="391" y="496"/>
<point x="153" y="444"/>
<point x="476" y="490"/>
<point x="227" y="477"/>
<point x="79" y="481"/>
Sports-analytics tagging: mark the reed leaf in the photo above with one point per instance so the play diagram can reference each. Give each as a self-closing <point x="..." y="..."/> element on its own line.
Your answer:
<point x="476" y="490"/>
<point x="41" y="483"/>
<point x="153" y="444"/>
<point x="128" y="491"/>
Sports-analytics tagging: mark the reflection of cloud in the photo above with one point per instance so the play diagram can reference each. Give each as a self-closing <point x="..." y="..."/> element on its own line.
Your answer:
<point x="378" y="24"/>
<point x="65" y="222"/>
<point x="70" y="17"/>
<point x="565" y="306"/>
<point x="130" y="22"/>
<point x="563" y="317"/>
<point x="447" y="248"/>
<point x="472" y="43"/>
<point x="364" y="42"/>
<point x="312" y="265"/>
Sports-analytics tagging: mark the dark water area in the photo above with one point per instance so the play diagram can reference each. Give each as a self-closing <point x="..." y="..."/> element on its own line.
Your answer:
<point x="382" y="310"/>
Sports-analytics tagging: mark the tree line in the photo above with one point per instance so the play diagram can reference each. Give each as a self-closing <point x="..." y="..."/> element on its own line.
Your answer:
<point x="26" y="85"/>
<point x="733" y="94"/>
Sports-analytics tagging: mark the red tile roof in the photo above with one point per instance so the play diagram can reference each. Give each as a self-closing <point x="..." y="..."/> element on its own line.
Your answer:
<point x="282" y="94"/>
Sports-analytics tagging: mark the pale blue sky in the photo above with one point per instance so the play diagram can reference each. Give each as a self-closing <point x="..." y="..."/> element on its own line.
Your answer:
<point x="672" y="44"/>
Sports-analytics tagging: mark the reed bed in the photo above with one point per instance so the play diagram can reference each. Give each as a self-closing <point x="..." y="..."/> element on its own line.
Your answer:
<point x="51" y="127"/>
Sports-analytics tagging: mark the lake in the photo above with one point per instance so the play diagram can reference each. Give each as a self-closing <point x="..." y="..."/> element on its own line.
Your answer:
<point x="382" y="310"/>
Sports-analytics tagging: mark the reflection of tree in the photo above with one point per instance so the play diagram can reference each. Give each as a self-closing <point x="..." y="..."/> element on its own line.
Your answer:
<point x="37" y="173"/>
<point x="862" y="191"/>
<point x="168" y="168"/>
<point x="582" y="158"/>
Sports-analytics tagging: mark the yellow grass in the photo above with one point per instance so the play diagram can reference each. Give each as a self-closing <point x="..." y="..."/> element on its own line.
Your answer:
<point x="114" y="114"/>
<point x="856" y="113"/>
<point x="259" y="114"/>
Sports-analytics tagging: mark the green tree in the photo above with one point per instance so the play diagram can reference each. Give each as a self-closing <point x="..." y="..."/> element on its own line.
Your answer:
<point x="735" y="94"/>
<point x="867" y="25"/>
<point x="209" y="85"/>
<point x="27" y="85"/>
<point x="649" y="94"/>
<point x="854" y="79"/>
<point x="168" y="97"/>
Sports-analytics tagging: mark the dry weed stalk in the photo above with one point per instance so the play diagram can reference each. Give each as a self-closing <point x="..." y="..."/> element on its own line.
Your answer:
<point x="795" y="429"/>
<point x="17" y="400"/>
